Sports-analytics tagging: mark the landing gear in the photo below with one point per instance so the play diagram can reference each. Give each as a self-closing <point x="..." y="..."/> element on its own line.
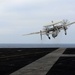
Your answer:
<point x="49" y="37"/>
<point x="65" y="32"/>
<point x="59" y="30"/>
<point x="65" y="28"/>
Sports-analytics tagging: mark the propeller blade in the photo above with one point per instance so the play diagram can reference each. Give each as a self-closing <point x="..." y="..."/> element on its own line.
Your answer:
<point x="65" y="22"/>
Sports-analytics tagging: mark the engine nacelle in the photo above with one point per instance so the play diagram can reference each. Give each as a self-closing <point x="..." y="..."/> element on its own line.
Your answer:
<point x="54" y="34"/>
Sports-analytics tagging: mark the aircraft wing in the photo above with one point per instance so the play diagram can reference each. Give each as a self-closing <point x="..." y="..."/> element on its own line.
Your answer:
<point x="53" y="24"/>
<point x="41" y="32"/>
<point x="70" y="23"/>
<point x="33" y="33"/>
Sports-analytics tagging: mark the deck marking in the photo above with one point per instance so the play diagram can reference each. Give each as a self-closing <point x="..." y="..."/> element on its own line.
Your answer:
<point x="68" y="55"/>
<point x="42" y="65"/>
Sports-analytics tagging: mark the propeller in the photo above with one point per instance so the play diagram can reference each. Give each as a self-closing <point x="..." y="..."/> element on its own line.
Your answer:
<point x="65" y="22"/>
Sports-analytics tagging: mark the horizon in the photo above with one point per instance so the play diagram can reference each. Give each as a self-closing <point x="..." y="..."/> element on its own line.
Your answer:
<point x="37" y="45"/>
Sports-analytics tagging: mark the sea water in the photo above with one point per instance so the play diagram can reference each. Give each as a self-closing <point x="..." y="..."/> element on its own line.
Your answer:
<point x="37" y="45"/>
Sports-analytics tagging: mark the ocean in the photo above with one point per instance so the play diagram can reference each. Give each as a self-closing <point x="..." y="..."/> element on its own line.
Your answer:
<point x="37" y="45"/>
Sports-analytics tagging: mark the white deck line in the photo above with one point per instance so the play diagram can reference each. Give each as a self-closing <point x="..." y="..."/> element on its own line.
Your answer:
<point x="42" y="65"/>
<point x="68" y="55"/>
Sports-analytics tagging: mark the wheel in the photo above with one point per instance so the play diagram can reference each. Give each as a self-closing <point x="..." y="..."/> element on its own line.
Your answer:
<point x="49" y="37"/>
<point x="65" y="33"/>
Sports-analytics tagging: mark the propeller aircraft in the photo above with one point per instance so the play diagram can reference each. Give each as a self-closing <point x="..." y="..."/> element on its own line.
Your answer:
<point x="53" y="29"/>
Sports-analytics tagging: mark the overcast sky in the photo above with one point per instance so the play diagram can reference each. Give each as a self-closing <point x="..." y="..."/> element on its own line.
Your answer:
<point x="18" y="17"/>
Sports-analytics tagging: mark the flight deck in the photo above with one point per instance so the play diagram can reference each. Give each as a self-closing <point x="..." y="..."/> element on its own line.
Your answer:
<point x="47" y="61"/>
